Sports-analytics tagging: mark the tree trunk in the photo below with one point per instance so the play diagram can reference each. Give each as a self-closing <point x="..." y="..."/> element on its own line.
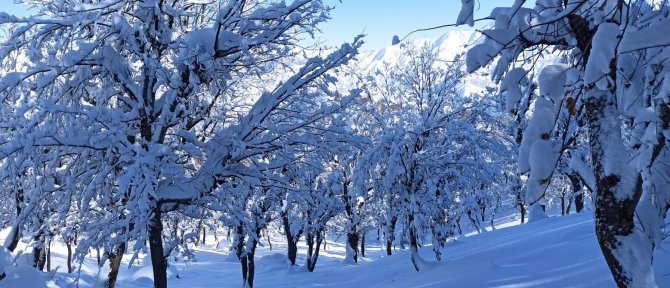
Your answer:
<point x="391" y="235"/>
<point x="248" y="266"/>
<point x="158" y="258"/>
<point x="68" y="243"/>
<point x="39" y="258"/>
<point x="579" y="203"/>
<point x="198" y="229"/>
<point x="291" y="240"/>
<point x="363" y="245"/>
<point x="563" y="203"/>
<point x="567" y="209"/>
<point x="617" y="194"/>
<point x="251" y="268"/>
<point x="114" y="257"/>
<point x="245" y="269"/>
<point x="474" y="221"/>
<point x="352" y="234"/>
<point x="313" y="243"/>
<point x="204" y="234"/>
<point x="242" y="255"/>
<point x="49" y="256"/>
<point x="389" y="251"/>
<point x="417" y="261"/>
<point x="39" y="252"/>
<point x="310" y="251"/>
<point x="482" y="210"/>
<point x="14" y="237"/>
<point x="15" y="234"/>
<point x="577" y="191"/>
<point x="519" y="198"/>
<point x="352" y="245"/>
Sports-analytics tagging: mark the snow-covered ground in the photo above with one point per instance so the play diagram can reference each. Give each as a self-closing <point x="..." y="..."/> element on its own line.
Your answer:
<point x="555" y="252"/>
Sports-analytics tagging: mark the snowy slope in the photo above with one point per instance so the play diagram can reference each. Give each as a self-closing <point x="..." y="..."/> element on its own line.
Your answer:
<point x="448" y="46"/>
<point x="556" y="252"/>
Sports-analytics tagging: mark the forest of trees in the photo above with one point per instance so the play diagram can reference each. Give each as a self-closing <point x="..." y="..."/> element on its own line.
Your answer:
<point x="133" y="127"/>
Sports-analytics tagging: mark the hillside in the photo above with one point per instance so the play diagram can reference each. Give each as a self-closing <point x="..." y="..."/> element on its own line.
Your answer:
<point x="556" y="252"/>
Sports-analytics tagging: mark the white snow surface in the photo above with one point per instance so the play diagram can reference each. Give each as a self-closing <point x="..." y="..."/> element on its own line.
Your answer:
<point x="553" y="252"/>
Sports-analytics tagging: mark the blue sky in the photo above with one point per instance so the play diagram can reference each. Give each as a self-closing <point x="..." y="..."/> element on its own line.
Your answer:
<point x="379" y="19"/>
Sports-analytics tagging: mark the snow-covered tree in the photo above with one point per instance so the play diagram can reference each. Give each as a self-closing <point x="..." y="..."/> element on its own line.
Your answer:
<point x="614" y="77"/>
<point x="145" y="88"/>
<point x="435" y="146"/>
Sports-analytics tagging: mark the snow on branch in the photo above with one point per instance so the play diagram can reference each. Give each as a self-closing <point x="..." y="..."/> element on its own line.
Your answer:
<point x="649" y="37"/>
<point x="229" y="147"/>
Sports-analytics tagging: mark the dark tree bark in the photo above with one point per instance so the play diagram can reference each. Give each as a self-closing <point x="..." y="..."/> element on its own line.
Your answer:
<point x="475" y="223"/>
<point x="518" y="188"/>
<point x="158" y="259"/>
<point x="242" y="255"/>
<point x="246" y="257"/>
<point x="349" y="205"/>
<point x="68" y="243"/>
<point x="115" y="256"/>
<point x="16" y="230"/>
<point x="519" y="202"/>
<point x="363" y="245"/>
<point x="614" y="214"/>
<point x="579" y="203"/>
<point x="413" y="243"/>
<point x="291" y="240"/>
<point x="391" y="236"/>
<point x="245" y="268"/>
<point x="204" y="234"/>
<point x="49" y="256"/>
<point x="577" y="191"/>
<point x="198" y="229"/>
<point x="313" y="243"/>
<point x="248" y="265"/>
<point x="352" y="241"/>
<point x="16" y="236"/>
<point x="563" y="206"/>
<point x="39" y="252"/>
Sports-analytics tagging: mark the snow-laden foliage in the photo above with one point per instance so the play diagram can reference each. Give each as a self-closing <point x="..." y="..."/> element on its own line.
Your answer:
<point x="436" y="156"/>
<point x="123" y="111"/>
<point x="601" y="112"/>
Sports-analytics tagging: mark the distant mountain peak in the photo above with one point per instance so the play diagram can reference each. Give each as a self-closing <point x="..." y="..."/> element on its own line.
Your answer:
<point x="449" y="45"/>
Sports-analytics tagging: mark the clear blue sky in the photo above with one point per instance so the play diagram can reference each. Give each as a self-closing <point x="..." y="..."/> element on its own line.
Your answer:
<point x="379" y="19"/>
